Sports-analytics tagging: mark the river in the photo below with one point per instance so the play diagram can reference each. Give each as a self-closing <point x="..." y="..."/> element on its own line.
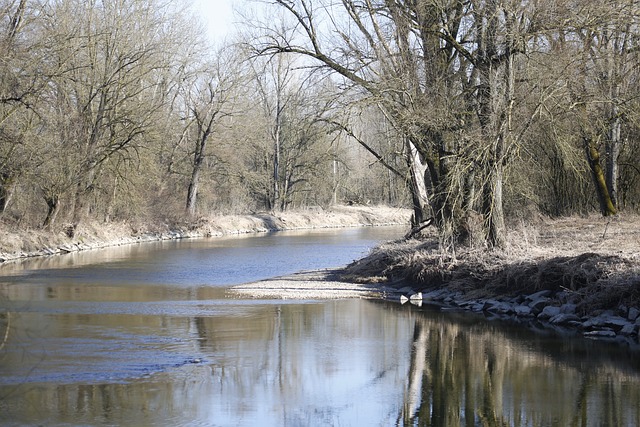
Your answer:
<point x="145" y="335"/>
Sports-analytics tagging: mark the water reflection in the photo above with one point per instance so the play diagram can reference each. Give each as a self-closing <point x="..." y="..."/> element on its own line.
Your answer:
<point x="218" y="261"/>
<point x="327" y="363"/>
<point x="81" y="345"/>
<point x="465" y="373"/>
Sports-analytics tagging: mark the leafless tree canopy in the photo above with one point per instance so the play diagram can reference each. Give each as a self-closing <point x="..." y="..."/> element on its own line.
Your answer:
<point x="472" y="112"/>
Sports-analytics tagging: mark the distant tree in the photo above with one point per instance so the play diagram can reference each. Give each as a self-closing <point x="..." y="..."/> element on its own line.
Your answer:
<point x="294" y="105"/>
<point x="107" y="63"/>
<point x="209" y="98"/>
<point x="594" y="68"/>
<point x="19" y="84"/>
<point x="608" y="34"/>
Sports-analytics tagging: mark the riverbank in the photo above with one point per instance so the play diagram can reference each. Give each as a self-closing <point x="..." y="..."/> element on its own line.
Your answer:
<point x="19" y="244"/>
<point x="577" y="275"/>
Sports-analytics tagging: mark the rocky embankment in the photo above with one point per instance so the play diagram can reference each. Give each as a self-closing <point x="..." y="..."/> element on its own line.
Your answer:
<point x="573" y="275"/>
<point x="19" y="243"/>
<point x="542" y="310"/>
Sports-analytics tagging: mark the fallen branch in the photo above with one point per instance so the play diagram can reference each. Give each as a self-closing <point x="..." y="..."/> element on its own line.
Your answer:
<point x="418" y="228"/>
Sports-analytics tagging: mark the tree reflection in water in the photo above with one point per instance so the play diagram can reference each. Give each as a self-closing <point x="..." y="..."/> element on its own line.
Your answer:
<point x="353" y="362"/>
<point x="477" y="374"/>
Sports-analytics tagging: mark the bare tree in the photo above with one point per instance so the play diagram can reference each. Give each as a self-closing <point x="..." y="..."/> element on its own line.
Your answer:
<point x="597" y="45"/>
<point x="108" y="59"/>
<point x="274" y="80"/>
<point x="209" y="100"/>
<point x="609" y="43"/>
<point x="439" y="70"/>
<point x="19" y="82"/>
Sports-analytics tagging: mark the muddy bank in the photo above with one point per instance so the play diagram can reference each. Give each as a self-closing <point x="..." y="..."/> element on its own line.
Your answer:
<point x="17" y="244"/>
<point x="581" y="275"/>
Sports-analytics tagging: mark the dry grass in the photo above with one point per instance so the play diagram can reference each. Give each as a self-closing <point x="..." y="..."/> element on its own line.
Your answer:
<point x="17" y="243"/>
<point x="594" y="261"/>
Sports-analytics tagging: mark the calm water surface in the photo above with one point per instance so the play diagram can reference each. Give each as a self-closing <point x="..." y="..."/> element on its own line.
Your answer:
<point x="145" y="335"/>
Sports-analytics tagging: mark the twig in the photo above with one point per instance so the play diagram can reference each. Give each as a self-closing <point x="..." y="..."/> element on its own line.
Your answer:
<point x="605" y="229"/>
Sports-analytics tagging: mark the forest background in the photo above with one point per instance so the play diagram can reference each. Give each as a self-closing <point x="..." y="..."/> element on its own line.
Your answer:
<point x="476" y="114"/>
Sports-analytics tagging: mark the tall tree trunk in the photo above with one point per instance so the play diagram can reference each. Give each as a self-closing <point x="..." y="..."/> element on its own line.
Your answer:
<point x="6" y="190"/>
<point x="496" y="98"/>
<point x="612" y="148"/>
<point x="607" y="207"/>
<point x="616" y="43"/>
<point x="112" y="200"/>
<point x="418" y="188"/>
<point x="492" y="206"/>
<point x="277" y="142"/>
<point x="53" y="204"/>
<point x="84" y="189"/>
<point x="276" y="170"/>
<point x="198" y="160"/>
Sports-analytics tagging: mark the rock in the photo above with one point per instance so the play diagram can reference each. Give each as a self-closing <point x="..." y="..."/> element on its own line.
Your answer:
<point x="628" y="329"/>
<point x="435" y="295"/>
<point x="489" y="302"/>
<point x="67" y="248"/>
<point x="523" y="310"/>
<point x="548" y="312"/>
<point x="487" y="305"/>
<point x="498" y="307"/>
<point x="453" y="299"/>
<point x="563" y="319"/>
<point x="50" y="251"/>
<point x="538" y="295"/>
<point x="568" y="308"/>
<point x="600" y="334"/>
<point x="562" y="296"/>
<point x="634" y="313"/>
<point x="477" y="307"/>
<point x="519" y="300"/>
<point x="623" y="310"/>
<point x="616" y="322"/>
<point x="539" y="304"/>
<point x="607" y="320"/>
<point x="594" y="322"/>
<point x="416" y="297"/>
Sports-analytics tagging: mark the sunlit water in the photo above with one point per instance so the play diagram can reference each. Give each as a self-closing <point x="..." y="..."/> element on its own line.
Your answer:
<point x="144" y="335"/>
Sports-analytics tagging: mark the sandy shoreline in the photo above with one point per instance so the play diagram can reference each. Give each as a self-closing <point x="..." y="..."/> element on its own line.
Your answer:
<point x="540" y="310"/>
<point x="572" y="275"/>
<point x="319" y="284"/>
<point x="20" y="244"/>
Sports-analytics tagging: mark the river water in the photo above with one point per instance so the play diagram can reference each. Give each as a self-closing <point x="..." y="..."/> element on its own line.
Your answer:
<point x="144" y="335"/>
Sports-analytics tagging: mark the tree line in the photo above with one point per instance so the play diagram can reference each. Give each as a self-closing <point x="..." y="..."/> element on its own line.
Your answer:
<point x="472" y="112"/>
<point x="509" y="105"/>
<point x="117" y="110"/>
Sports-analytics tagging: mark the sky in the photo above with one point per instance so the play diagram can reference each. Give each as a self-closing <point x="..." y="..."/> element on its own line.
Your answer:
<point x="217" y="15"/>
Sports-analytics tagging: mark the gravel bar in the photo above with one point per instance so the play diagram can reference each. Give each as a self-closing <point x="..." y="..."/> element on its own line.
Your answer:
<point x="319" y="284"/>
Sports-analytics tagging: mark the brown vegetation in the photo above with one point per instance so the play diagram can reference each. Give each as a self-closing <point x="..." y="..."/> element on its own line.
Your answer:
<point x="594" y="260"/>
